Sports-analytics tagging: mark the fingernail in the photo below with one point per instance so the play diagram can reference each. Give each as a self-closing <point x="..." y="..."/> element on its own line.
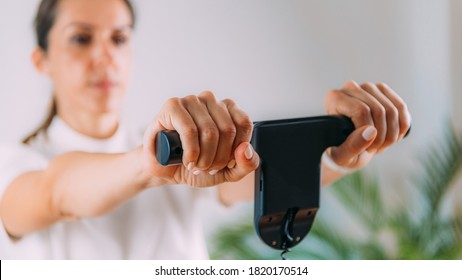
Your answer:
<point x="369" y="133"/>
<point x="197" y="172"/>
<point x="248" y="152"/>
<point x="190" y="166"/>
<point x="213" y="172"/>
<point x="231" y="164"/>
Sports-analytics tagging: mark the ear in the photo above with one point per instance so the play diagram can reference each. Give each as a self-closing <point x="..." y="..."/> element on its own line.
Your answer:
<point x="40" y="61"/>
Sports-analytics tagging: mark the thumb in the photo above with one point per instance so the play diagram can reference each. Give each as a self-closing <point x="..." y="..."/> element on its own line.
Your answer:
<point x="354" y="145"/>
<point x="247" y="160"/>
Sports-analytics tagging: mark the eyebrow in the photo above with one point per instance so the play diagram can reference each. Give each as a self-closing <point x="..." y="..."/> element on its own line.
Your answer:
<point x="90" y="27"/>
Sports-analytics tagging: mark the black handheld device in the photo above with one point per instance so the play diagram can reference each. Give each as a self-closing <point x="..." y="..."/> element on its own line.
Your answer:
<point x="287" y="182"/>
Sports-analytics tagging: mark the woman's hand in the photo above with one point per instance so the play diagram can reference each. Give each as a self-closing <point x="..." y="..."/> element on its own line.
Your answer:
<point x="380" y="116"/>
<point x="215" y="136"/>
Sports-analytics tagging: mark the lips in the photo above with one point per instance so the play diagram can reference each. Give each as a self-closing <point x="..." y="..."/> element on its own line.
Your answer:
<point x="104" y="85"/>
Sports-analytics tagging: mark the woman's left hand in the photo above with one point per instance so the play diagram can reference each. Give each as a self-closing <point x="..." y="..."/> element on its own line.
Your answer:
<point x="380" y="116"/>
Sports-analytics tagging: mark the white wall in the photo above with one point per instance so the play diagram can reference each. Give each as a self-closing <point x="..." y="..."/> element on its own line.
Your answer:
<point x="275" y="58"/>
<point x="456" y="59"/>
<point x="23" y="94"/>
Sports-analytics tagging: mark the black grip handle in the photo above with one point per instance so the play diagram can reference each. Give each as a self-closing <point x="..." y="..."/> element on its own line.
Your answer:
<point x="169" y="150"/>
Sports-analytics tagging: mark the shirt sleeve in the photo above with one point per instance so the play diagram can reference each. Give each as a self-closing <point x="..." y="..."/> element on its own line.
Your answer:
<point x="16" y="160"/>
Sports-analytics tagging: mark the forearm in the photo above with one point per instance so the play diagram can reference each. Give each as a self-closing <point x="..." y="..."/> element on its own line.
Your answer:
<point x="231" y="193"/>
<point x="86" y="185"/>
<point x="75" y="185"/>
<point x="329" y="176"/>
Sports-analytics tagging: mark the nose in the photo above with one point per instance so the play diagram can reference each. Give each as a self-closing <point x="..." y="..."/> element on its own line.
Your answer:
<point x="102" y="54"/>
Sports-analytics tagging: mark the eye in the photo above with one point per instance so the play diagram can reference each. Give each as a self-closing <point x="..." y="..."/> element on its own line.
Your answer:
<point x="119" y="39"/>
<point x="81" y="39"/>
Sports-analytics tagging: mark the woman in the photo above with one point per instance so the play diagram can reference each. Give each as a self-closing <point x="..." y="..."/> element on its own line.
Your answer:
<point x="81" y="188"/>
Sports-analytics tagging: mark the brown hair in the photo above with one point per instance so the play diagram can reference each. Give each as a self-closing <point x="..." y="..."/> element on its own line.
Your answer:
<point x="44" y="20"/>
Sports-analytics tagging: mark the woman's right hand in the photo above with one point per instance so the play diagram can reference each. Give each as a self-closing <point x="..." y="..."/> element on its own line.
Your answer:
<point x="215" y="136"/>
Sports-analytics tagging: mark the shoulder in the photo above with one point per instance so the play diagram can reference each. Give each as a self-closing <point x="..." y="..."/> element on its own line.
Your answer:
<point x="10" y="153"/>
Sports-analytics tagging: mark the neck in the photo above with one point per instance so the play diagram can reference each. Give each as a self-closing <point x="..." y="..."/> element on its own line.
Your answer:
<point x="99" y="126"/>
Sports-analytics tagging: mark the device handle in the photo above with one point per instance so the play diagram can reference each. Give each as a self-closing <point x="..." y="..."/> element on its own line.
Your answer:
<point x="169" y="150"/>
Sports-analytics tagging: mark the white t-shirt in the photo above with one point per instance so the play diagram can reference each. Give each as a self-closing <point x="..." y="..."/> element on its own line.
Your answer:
<point x="159" y="223"/>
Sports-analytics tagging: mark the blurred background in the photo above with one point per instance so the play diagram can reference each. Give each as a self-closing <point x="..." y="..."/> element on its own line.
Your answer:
<point x="277" y="59"/>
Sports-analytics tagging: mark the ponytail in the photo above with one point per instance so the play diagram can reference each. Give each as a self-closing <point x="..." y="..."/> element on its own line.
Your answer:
<point x="52" y="112"/>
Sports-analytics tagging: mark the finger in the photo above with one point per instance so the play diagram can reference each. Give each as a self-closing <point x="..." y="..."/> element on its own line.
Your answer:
<point x="247" y="160"/>
<point x="208" y="134"/>
<point x="358" y="142"/>
<point x="244" y="126"/>
<point x="226" y="128"/>
<point x="340" y="103"/>
<point x="377" y="111"/>
<point x="174" y="116"/>
<point x="391" y="115"/>
<point x="403" y="112"/>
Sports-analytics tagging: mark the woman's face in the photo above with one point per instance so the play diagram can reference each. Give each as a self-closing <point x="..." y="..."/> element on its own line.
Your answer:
<point x="89" y="55"/>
